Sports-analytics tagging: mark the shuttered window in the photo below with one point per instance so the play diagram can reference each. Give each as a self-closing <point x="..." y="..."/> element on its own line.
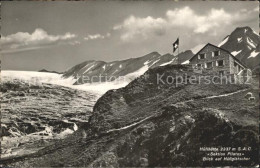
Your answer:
<point x="209" y="65"/>
<point x="202" y="56"/>
<point x="220" y="63"/>
<point x="215" y="53"/>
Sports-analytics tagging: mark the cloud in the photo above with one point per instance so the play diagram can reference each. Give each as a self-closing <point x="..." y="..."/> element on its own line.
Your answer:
<point x="97" y="36"/>
<point x="178" y="19"/>
<point x="186" y="17"/>
<point x="23" y="41"/>
<point x="135" y="26"/>
<point x="248" y="12"/>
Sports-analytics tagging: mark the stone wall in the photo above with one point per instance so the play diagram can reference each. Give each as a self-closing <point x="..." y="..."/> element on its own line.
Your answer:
<point x="209" y="58"/>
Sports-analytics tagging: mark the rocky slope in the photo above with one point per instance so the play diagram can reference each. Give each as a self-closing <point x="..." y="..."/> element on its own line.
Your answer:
<point x="152" y="91"/>
<point x="37" y="113"/>
<point x="151" y="124"/>
<point x="243" y="43"/>
<point x="253" y="59"/>
<point x="100" y="71"/>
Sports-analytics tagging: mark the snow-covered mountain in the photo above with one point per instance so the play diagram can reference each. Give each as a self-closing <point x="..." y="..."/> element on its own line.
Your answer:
<point x="129" y="69"/>
<point x="243" y="43"/>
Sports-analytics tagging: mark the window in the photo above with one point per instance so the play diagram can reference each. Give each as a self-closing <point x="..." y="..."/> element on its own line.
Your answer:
<point x="209" y="65"/>
<point x="220" y="63"/>
<point x="202" y="56"/>
<point x="221" y="73"/>
<point x="199" y="66"/>
<point x="215" y="53"/>
<point x="235" y="64"/>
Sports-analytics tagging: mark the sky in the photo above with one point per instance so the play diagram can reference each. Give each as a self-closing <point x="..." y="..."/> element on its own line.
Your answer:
<point x="57" y="35"/>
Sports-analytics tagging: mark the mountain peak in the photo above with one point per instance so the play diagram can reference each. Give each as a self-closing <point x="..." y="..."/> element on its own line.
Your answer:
<point x="154" y="53"/>
<point x="243" y="43"/>
<point x="244" y="28"/>
<point x="243" y="31"/>
<point x="150" y="55"/>
<point x="243" y="38"/>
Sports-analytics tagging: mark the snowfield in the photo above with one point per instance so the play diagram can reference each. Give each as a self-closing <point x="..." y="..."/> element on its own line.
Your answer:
<point x="253" y="54"/>
<point x="186" y="62"/>
<point x="239" y="39"/>
<point x="236" y="52"/>
<point x="251" y="42"/>
<point x="223" y="42"/>
<point x="57" y="79"/>
<point x="37" y="77"/>
<point x="167" y="63"/>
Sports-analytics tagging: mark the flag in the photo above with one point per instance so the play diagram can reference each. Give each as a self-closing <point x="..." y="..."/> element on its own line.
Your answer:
<point x="175" y="45"/>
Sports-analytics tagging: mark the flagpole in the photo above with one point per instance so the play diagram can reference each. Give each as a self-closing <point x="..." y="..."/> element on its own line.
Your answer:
<point x="178" y="45"/>
<point x="178" y="49"/>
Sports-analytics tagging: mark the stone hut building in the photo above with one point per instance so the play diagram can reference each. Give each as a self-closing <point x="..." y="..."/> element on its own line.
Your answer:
<point x="221" y="62"/>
